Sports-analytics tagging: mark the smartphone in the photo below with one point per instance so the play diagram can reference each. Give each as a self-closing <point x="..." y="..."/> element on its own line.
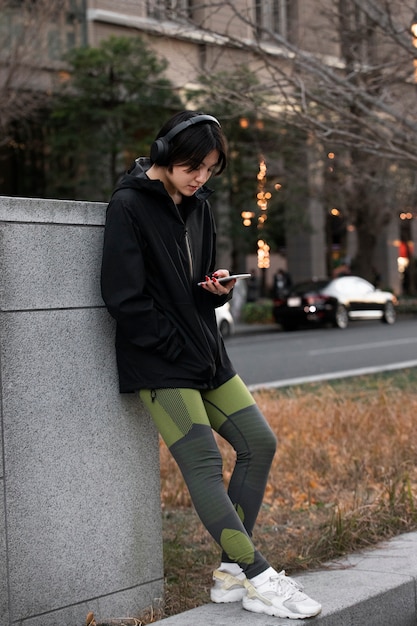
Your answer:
<point x="226" y="279"/>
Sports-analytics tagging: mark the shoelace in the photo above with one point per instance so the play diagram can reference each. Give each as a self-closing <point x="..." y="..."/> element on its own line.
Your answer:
<point x="288" y="587"/>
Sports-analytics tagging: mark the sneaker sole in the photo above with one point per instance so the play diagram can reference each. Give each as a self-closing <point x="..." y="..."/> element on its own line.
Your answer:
<point x="256" y="606"/>
<point x="224" y="597"/>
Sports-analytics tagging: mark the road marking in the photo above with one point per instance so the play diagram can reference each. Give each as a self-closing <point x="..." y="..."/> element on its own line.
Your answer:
<point x="332" y="375"/>
<point x="364" y="346"/>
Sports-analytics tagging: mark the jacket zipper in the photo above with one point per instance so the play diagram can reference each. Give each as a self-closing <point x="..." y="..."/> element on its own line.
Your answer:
<point x="190" y="256"/>
<point x="191" y="264"/>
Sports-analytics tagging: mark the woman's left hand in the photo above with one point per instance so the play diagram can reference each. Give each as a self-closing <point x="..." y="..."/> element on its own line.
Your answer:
<point x="212" y="284"/>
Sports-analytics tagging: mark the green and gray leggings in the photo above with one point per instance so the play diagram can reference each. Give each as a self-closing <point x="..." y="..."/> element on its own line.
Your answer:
<point x="185" y="419"/>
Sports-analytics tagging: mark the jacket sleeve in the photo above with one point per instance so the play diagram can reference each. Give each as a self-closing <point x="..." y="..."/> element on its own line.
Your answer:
<point x="122" y="284"/>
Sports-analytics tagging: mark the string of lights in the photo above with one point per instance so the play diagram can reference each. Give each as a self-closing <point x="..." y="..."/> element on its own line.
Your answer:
<point x="262" y="197"/>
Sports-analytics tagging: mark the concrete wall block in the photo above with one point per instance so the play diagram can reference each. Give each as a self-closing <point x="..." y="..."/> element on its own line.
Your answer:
<point x="39" y="271"/>
<point x="81" y="464"/>
<point x="73" y="449"/>
<point x="49" y="211"/>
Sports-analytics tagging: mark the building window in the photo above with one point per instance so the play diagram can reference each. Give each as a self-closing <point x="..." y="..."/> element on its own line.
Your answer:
<point x="273" y="17"/>
<point x="54" y="45"/>
<point x="169" y="9"/>
<point x="357" y="36"/>
<point x="202" y="56"/>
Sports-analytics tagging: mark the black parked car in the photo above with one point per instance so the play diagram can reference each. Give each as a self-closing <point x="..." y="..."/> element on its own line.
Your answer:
<point x="334" y="301"/>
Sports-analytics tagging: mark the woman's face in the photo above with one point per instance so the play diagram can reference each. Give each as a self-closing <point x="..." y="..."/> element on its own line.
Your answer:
<point x="185" y="181"/>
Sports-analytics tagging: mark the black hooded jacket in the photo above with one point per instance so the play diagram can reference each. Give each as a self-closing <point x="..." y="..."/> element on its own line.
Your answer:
<point x="153" y="258"/>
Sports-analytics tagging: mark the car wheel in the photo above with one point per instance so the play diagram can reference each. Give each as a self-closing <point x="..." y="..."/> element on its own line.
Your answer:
<point x="389" y="316"/>
<point x="341" y="318"/>
<point x="225" y="328"/>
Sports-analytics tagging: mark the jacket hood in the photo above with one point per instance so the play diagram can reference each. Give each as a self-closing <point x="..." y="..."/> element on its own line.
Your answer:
<point x="136" y="178"/>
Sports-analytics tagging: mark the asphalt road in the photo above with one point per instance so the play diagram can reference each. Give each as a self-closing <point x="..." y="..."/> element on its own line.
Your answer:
<point x="276" y="358"/>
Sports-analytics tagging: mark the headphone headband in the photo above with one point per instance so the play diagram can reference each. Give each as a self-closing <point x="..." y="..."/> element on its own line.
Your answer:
<point x="160" y="147"/>
<point x="197" y="119"/>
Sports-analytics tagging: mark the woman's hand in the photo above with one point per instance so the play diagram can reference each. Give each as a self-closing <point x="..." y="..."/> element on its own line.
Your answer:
<point x="212" y="284"/>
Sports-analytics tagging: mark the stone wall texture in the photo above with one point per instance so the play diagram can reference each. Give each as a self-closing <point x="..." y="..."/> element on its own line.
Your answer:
<point x="80" y="521"/>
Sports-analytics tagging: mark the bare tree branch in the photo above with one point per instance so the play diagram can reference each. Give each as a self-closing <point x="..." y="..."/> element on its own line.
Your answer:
<point x="31" y="45"/>
<point x="362" y="95"/>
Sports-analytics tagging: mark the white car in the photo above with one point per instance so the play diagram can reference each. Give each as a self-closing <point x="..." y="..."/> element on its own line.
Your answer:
<point x="225" y="320"/>
<point x="335" y="301"/>
<point x="359" y="299"/>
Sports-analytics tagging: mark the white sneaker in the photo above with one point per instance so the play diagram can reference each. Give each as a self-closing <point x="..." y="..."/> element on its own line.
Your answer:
<point x="227" y="588"/>
<point x="280" y="596"/>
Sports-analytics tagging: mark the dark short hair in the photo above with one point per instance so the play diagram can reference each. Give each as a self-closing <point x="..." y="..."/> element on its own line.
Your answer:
<point x="191" y="146"/>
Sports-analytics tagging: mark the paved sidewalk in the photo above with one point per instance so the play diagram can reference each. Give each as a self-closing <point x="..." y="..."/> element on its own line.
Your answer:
<point x="376" y="587"/>
<point x="243" y="329"/>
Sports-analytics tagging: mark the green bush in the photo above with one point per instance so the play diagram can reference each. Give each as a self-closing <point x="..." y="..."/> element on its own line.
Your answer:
<point x="259" y="312"/>
<point x="407" y="305"/>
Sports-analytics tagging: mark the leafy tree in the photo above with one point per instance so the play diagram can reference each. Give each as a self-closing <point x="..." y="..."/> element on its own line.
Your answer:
<point x="113" y="102"/>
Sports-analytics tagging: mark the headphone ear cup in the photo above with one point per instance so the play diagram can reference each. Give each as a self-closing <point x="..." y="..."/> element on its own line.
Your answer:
<point x="160" y="151"/>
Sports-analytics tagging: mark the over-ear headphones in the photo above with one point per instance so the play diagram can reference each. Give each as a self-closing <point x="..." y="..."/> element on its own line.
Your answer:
<point x="160" y="147"/>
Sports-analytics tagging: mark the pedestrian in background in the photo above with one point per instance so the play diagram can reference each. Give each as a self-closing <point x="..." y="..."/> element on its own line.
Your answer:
<point x="253" y="290"/>
<point x="282" y="284"/>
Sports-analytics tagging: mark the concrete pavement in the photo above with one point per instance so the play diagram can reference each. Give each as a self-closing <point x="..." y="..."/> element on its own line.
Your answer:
<point x="376" y="587"/>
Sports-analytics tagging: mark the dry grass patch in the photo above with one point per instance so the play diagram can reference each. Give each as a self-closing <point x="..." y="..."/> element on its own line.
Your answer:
<point x="344" y="477"/>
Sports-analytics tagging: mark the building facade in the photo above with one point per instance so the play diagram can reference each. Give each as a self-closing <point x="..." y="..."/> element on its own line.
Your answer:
<point x="206" y="38"/>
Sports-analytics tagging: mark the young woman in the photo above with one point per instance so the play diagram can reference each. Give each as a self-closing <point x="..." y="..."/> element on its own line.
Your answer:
<point x="159" y="244"/>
